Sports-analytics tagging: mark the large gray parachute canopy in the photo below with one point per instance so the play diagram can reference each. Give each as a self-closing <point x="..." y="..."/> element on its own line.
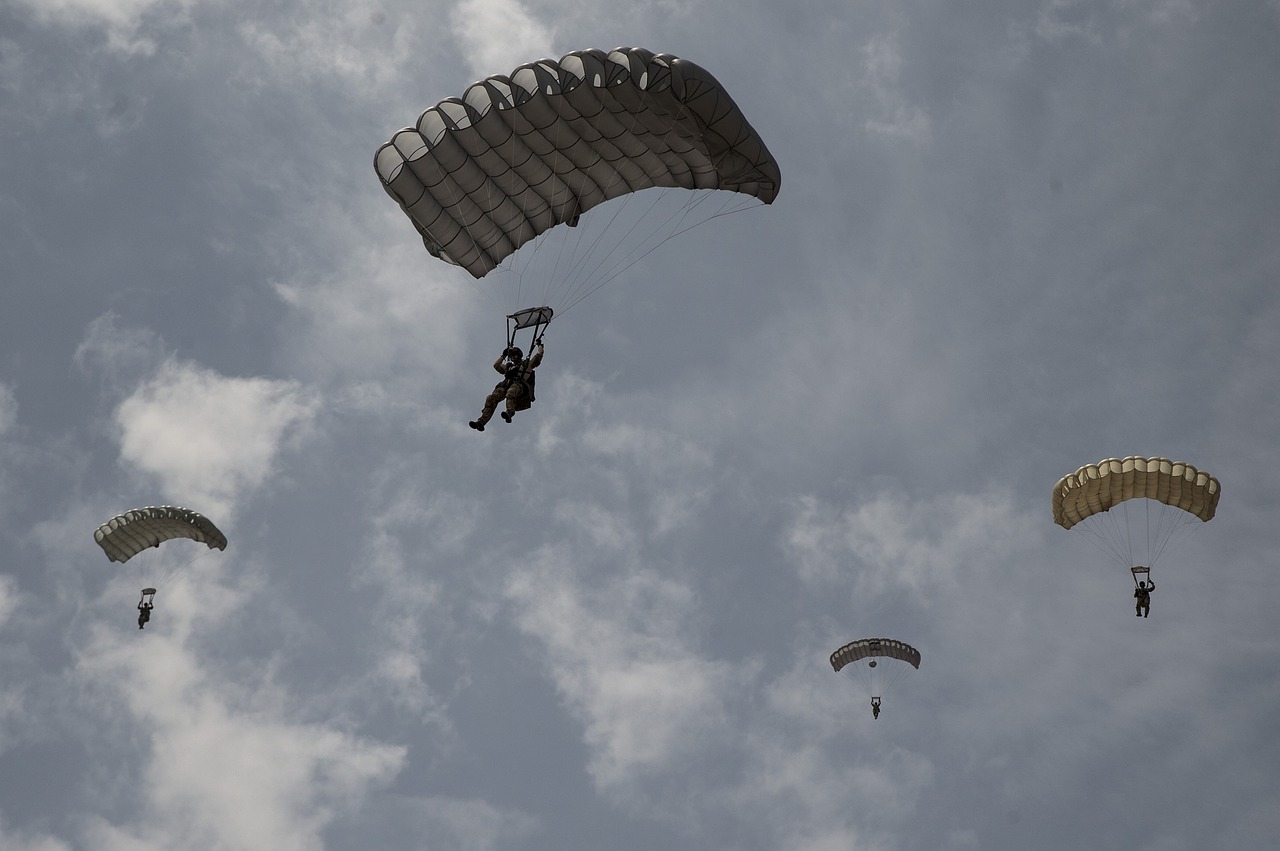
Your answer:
<point x="516" y="155"/>
<point x="124" y="536"/>
<point x="865" y="648"/>
<point x="1099" y="487"/>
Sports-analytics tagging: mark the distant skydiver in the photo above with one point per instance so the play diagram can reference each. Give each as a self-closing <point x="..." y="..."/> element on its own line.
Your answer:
<point x="1142" y="599"/>
<point x="516" y="386"/>
<point x="145" y="605"/>
<point x="875" y="707"/>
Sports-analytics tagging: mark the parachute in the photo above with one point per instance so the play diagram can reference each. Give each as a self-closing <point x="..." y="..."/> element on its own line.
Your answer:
<point x="1133" y="508"/>
<point x="127" y="535"/>
<point x="517" y="155"/>
<point x="863" y="656"/>
<point x="869" y="648"/>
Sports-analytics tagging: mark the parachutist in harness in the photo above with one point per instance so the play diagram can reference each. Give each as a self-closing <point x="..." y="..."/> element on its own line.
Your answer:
<point x="1142" y="599"/>
<point x="875" y="707"/>
<point x="516" y="386"/>
<point x="145" y="605"/>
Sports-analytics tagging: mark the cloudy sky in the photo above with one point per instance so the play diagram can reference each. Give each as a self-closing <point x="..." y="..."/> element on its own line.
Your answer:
<point x="1013" y="238"/>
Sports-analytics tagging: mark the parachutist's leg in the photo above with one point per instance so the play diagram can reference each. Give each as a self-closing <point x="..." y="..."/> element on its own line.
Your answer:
<point x="490" y="404"/>
<point x="513" y="397"/>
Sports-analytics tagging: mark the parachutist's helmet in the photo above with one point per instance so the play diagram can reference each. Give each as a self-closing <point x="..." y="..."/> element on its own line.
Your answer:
<point x="514" y="353"/>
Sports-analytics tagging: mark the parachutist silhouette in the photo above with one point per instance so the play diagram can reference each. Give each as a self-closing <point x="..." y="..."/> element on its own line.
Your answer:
<point x="875" y="707"/>
<point x="1142" y="599"/>
<point x="516" y="386"/>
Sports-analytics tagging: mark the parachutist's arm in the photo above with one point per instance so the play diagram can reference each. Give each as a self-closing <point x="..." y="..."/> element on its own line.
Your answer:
<point x="536" y="360"/>
<point x="497" y="365"/>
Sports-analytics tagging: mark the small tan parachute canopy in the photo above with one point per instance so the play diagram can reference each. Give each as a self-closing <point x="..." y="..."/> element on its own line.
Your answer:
<point x="481" y="175"/>
<point x="123" y="537"/>
<point x="872" y="647"/>
<point x="1099" y="487"/>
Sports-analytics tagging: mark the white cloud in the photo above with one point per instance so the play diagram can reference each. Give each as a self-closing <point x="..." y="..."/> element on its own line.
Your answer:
<point x="498" y="35"/>
<point x="209" y="438"/>
<point x="226" y="765"/>
<point x="350" y="41"/>
<point x="897" y="543"/>
<point x="470" y="825"/>
<point x="895" y="117"/>
<point x="411" y="607"/>
<point x="673" y="466"/>
<point x="13" y="688"/>
<point x="25" y="840"/>
<point x="621" y="659"/>
<point x="8" y="597"/>
<point x="379" y="316"/>
<point x="121" y="20"/>
<point x="118" y="355"/>
<point x="8" y="409"/>
<point x="1060" y="20"/>
<point x="814" y="798"/>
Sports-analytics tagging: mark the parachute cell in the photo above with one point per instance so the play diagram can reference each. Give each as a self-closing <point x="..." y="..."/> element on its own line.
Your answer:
<point x="124" y="536"/>
<point x="481" y="175"/>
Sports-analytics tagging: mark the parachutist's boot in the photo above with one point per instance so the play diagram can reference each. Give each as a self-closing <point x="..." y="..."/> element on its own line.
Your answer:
<point x="507" y="415"/>
<point x="477" y="425"/>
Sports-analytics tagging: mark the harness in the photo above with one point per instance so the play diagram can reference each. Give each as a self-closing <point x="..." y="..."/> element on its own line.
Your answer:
<point x="522" y="375"/>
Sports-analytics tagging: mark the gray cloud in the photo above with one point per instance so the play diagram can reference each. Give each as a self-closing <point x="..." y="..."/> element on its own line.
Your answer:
<point x="1012" y="239"/>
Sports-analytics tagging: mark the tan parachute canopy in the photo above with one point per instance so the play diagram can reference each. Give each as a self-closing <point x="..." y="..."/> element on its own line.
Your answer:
<point x="516" y="155"/>
<point x="871" y="647"/>
<point x="1099" y="487"/>
<point x="124" y="536"/>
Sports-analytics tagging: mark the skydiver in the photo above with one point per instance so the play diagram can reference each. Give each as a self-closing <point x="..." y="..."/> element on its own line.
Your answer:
<point x="1142" y="599"/>
<point x="144" y="613"/>
<point x="875" y="708"/>
<point x="516" y="386"/>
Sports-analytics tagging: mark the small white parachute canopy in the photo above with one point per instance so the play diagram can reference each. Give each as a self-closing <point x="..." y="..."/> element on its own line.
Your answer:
<point x="124" y="536"/>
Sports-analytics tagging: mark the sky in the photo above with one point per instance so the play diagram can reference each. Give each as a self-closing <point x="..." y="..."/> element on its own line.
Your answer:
<point x="1012" y="239"/>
